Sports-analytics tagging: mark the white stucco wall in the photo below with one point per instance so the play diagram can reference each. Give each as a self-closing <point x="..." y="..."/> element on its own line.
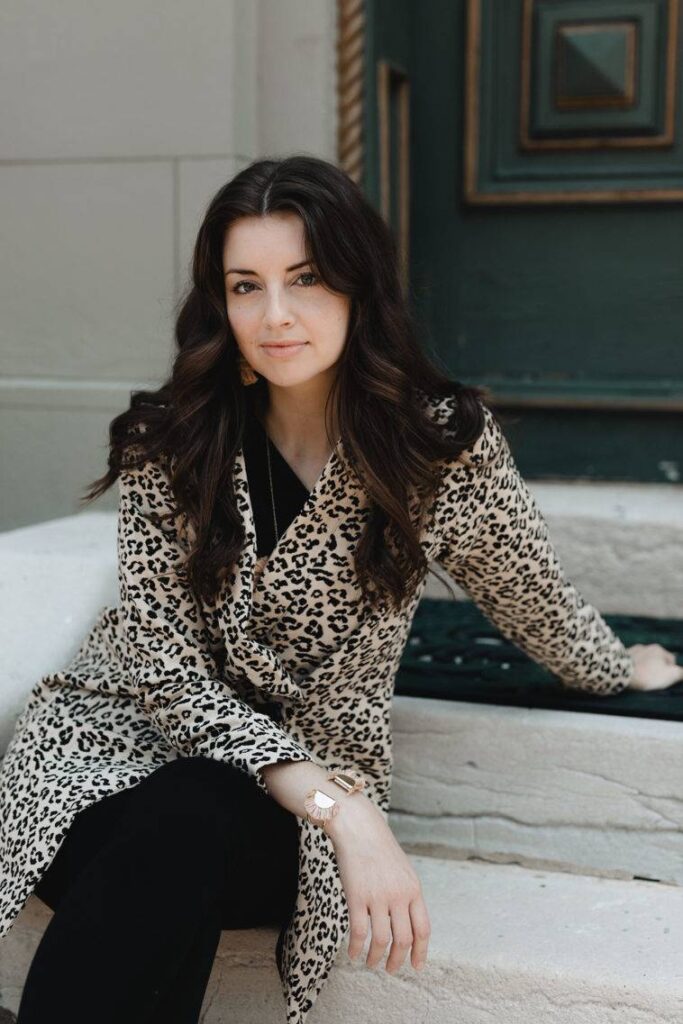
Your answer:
<point x="119" y="123"/>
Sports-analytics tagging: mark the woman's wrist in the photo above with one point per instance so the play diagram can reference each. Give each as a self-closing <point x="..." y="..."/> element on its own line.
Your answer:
<point x="356" y="811"/>
<point x="289" y="782"/>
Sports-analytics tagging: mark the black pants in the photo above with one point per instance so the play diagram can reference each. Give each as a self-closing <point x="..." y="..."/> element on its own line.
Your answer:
<point x="142" y="886"/>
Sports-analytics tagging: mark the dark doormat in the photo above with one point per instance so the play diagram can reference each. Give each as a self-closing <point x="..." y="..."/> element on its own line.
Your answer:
<point x="455" y="653"/>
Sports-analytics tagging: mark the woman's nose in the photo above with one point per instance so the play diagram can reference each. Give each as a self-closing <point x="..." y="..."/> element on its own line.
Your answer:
<point x="277" y="308"/>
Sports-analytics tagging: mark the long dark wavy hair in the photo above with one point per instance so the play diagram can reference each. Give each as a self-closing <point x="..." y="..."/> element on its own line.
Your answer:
<point x="198" y="414"/>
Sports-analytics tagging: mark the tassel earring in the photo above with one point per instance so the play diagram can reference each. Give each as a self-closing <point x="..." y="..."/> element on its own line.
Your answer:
<point x="247" y="373"/>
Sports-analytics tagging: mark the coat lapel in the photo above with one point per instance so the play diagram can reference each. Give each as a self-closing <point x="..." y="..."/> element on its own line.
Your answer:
<point x="282" y="624"/>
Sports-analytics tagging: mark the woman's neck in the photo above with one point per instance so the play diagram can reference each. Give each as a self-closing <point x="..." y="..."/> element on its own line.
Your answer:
<point x="294" y="419"/>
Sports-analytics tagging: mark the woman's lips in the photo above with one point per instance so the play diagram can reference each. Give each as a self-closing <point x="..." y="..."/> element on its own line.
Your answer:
<point x="282" y="351"/>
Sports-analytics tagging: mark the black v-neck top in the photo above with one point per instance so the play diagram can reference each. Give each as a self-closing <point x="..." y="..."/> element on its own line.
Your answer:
<point x="290" y="493"/>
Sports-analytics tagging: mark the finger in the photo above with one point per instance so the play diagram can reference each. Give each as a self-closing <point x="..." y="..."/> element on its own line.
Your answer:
<point x="381" y="934"/>
<point x="421" y="931"/>
<point x="359" y="921"/>
<point x="671" y="675"/>
<point x="668" y="676"/>
<point x="402" y="935"/>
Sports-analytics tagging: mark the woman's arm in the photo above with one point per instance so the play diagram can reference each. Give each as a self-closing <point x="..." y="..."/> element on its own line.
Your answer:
<point x="504" y="559"/>
<point x="175" y="675"/>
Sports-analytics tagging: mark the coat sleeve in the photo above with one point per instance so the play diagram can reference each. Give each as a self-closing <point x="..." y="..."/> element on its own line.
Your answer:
<point x="499" y="551"/>
<point x="175" y="674"/>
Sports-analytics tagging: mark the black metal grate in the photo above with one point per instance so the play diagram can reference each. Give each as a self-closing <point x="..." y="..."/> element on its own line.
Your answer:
<point x="455" y="653"/>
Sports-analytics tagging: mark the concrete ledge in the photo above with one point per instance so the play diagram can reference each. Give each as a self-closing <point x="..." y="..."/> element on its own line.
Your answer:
<point x="560" y="789"/>
<point x="508" y="944"/>
<point x="57" y="574"/>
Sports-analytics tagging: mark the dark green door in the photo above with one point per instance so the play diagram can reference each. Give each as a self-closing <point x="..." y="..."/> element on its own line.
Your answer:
<point x="548" y="283"/>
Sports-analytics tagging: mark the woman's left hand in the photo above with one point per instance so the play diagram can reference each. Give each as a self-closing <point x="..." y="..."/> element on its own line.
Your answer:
<point x="655" y="667"/>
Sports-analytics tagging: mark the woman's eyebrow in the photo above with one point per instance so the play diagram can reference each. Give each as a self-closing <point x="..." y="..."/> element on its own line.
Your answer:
<point x="295" y="266"/>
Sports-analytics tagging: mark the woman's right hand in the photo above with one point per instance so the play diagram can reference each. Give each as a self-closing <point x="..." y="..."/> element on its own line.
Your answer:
<point x="382" y="889"/>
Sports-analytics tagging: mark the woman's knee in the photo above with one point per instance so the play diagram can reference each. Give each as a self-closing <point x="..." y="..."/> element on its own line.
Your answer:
<point x="177" y="856"/>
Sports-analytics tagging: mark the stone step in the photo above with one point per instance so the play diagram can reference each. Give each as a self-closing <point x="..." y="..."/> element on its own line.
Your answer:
<point x="508" y="944"/>
<point x="564" y="790"/>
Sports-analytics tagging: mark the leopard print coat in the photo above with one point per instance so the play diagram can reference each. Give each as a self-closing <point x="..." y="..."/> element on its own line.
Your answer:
<point x="158" y="675"/>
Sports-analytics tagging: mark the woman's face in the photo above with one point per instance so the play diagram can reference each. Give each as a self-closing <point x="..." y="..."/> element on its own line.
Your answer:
<point x="273" y="295"/>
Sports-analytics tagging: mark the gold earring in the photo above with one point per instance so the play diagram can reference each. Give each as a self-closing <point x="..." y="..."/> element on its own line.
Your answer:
<point x="247" y="373"/>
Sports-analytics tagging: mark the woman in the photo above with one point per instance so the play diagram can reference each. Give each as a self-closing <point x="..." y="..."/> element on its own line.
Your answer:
<point x="218" y="752"/>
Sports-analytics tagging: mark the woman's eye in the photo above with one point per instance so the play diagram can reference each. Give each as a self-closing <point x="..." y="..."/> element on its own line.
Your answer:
<point x="307" y="273"/>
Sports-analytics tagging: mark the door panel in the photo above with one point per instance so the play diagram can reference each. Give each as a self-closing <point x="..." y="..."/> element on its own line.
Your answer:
<point x="569" y="309"/>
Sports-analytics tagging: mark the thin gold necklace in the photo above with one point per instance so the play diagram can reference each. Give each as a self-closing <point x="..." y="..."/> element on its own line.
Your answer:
<point x="270" y="484"/>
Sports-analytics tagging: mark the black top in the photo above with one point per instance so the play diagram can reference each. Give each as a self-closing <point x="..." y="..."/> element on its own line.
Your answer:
<point x="289" y="491"/>
<point x="289" y="495"/>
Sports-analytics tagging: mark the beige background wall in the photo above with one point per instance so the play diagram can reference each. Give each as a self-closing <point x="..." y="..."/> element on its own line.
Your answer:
<point x="120" y="121"/>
